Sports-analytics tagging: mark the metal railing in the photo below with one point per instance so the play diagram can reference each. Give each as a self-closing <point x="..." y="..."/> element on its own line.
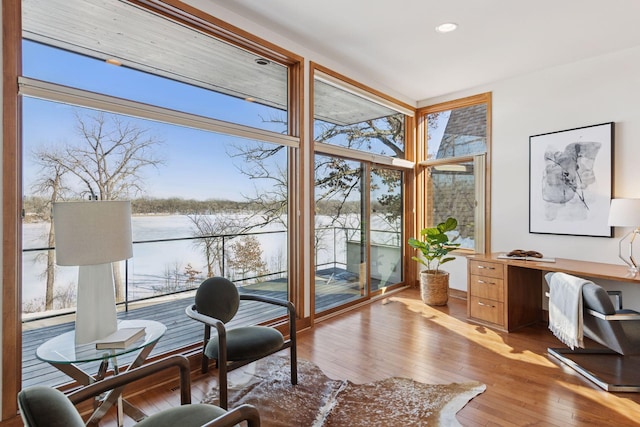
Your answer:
<point x="142" y="286"/>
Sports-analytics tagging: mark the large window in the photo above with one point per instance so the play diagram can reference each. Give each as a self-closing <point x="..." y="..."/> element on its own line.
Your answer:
<point x="117" y="48"/>
<point x="455" y="146"/>
<point x="195" y="131"/>
<point x="360" y="167"/>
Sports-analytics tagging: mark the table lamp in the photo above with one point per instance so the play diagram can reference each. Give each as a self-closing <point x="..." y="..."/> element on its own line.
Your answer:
<point x="92" y="235"/>
<point x="626" y="213"/>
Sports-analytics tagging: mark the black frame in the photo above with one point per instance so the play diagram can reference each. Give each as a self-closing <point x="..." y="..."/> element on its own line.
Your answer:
<point x="571" y="181"/>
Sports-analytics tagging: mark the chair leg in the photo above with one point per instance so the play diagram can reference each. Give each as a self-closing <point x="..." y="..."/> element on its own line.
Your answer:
<point x="205" y="360"/>
<point x="205" y="364"/>
<point x="294" y="365"/>
<point x="222" y="384"/>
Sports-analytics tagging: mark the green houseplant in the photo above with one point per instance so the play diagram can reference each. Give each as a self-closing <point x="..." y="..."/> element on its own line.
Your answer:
<point x="435" y="247"/>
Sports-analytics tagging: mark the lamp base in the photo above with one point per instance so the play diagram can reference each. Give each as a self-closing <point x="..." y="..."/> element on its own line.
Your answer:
<point x="96" y="303"/>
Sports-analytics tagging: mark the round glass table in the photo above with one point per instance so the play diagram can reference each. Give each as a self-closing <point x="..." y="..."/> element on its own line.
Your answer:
<point x="63" y="349"/>
<point x="63" y="353"/>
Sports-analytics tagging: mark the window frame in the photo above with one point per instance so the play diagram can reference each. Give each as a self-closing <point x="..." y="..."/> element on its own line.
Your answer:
<point x="12" y="165"/>
<point x="369" y="160"/>
<point x="482" y="171"/>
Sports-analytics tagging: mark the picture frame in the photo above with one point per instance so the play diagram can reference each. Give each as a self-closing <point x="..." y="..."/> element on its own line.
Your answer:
<point x="570" y="181"/>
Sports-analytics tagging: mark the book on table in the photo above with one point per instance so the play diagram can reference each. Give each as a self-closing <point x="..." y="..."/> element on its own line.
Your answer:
<point x="122" y="338"/>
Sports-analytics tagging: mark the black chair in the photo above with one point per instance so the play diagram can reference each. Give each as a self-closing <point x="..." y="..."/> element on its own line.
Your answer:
<point x="42" y="406"/>
<point x="216" y="303"/>
<point x="615" y="366"/>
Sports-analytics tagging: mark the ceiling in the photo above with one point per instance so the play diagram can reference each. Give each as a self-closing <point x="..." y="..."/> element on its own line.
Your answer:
<point x="134" y="38"/>
<point x="394" y="42"/>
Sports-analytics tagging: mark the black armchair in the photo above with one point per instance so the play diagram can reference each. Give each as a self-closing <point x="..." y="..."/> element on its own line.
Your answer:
<point x="42" y="406"/>
<point x="216" y="303"/>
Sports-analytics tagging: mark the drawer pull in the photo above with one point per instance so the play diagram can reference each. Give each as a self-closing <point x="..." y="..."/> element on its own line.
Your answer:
<point x="486" y="283"/>
<point x="486" y="305"/>
<point x="488" y="268"/>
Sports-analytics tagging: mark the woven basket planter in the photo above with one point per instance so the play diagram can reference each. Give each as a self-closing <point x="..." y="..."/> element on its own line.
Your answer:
<point x="434" y="288"/>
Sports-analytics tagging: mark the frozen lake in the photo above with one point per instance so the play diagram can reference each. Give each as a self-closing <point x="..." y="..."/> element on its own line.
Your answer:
<point x="156" y="266"/>
<point x="153" y="264"/>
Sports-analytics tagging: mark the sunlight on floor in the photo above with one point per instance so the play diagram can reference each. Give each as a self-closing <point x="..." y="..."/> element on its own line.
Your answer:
<point x="479" y="334"/>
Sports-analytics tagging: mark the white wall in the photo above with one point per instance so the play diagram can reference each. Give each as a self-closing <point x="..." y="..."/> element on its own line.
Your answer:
<point x="585" y="93"/>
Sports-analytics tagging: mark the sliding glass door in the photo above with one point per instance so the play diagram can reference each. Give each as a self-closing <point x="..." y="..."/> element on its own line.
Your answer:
<point x="340" y="233"/>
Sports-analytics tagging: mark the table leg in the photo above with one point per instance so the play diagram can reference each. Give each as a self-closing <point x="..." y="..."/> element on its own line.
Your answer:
<point x="76" y="373"/>
<point x="114" y="395"/>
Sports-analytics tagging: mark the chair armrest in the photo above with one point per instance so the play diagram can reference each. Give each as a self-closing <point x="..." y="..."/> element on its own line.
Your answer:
<point x="207" y="320"/>
<point x="135" y="374"/>
<point x="244" y="412"/>
<point x="288" y="304"/>
<point x="261" y="298"/>
<point x="620" y="315"/>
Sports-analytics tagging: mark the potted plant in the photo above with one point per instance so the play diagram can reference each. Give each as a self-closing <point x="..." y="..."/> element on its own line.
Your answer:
<point x="435" y="246"/>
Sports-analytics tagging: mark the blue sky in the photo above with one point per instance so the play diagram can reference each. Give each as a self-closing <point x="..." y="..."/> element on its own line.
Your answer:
<point x="195" y="162"/>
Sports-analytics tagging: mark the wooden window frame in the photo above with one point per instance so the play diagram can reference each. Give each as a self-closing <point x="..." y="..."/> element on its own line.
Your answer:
<point x="422" y="164"/>
<point x="12" y="169"/>
<point x="406" y="165"/>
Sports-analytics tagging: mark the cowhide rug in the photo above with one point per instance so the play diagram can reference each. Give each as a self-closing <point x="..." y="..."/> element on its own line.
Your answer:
<point x="320" y="401"/>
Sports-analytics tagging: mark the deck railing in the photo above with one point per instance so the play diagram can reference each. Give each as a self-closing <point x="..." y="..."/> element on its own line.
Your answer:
<point x="145" y="281"/>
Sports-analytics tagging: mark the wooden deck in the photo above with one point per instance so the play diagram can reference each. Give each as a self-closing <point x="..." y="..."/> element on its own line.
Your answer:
<point x="181" y="331"/>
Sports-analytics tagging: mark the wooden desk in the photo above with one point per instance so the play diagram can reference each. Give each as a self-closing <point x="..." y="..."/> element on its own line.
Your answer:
<point x="506" y="294"/>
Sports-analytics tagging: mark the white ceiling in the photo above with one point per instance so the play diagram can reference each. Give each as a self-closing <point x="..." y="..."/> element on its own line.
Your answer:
<point x="395" y="43"/>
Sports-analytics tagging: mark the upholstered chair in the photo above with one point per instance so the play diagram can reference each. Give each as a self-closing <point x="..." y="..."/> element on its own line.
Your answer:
<point x="42" y="406"/>
<point x="216" y="303"/>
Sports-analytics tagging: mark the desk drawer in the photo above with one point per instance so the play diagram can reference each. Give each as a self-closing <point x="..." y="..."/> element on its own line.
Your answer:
<point x="487" y="269"/>
<point x="486" y="287"/>
<point x="487" y="310"/>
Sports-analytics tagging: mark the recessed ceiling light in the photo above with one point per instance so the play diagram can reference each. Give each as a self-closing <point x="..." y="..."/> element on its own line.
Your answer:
<point x="447" y="27"/>
<point x="262" y="61"/>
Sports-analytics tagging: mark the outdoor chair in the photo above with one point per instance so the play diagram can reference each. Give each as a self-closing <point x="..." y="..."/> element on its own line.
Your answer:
<point x="217" y="301"/>
<point x="42" y="406"/>
<point x="615" y="366"/>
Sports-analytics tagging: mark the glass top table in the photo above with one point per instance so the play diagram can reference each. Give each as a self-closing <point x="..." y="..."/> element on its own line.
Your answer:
<point x="63" y="353"/>
<point x="63" y="349"/>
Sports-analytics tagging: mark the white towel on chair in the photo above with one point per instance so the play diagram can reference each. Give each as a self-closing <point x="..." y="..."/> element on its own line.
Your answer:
<point x="565" y="308"/>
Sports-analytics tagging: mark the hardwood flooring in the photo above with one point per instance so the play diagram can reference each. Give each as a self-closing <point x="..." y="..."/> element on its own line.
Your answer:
<point x="401" y="336"/>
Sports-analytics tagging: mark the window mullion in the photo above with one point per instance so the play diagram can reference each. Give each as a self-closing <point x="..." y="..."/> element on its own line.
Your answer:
<point x="73" y="96"/>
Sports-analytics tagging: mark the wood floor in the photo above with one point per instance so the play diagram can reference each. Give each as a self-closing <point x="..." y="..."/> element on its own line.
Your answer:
<point x="400" y="336"/>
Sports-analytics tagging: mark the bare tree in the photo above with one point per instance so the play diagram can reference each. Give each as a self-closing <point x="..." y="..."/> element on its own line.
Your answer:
<point x="337" y="180"/>
<point x="173" y="280"/>
<point x="270" y="201"/>
<point x="389" y="203"/>
<point x="50" y="183"/>
<point x="212" y="230"/>
<point x="104" y="163"/>
<point x="108" y="158"/>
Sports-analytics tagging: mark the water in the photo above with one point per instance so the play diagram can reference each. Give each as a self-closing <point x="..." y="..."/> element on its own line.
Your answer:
<point x="158" y="267"/>
<point x="154" y="265"/>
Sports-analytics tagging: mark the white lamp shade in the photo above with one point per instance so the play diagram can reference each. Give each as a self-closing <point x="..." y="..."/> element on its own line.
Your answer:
<point x="94" y="232"/>
<point x="624" y="213"/>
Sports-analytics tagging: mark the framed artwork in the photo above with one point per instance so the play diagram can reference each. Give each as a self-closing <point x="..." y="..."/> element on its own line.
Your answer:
<point x="570" y="181"/>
